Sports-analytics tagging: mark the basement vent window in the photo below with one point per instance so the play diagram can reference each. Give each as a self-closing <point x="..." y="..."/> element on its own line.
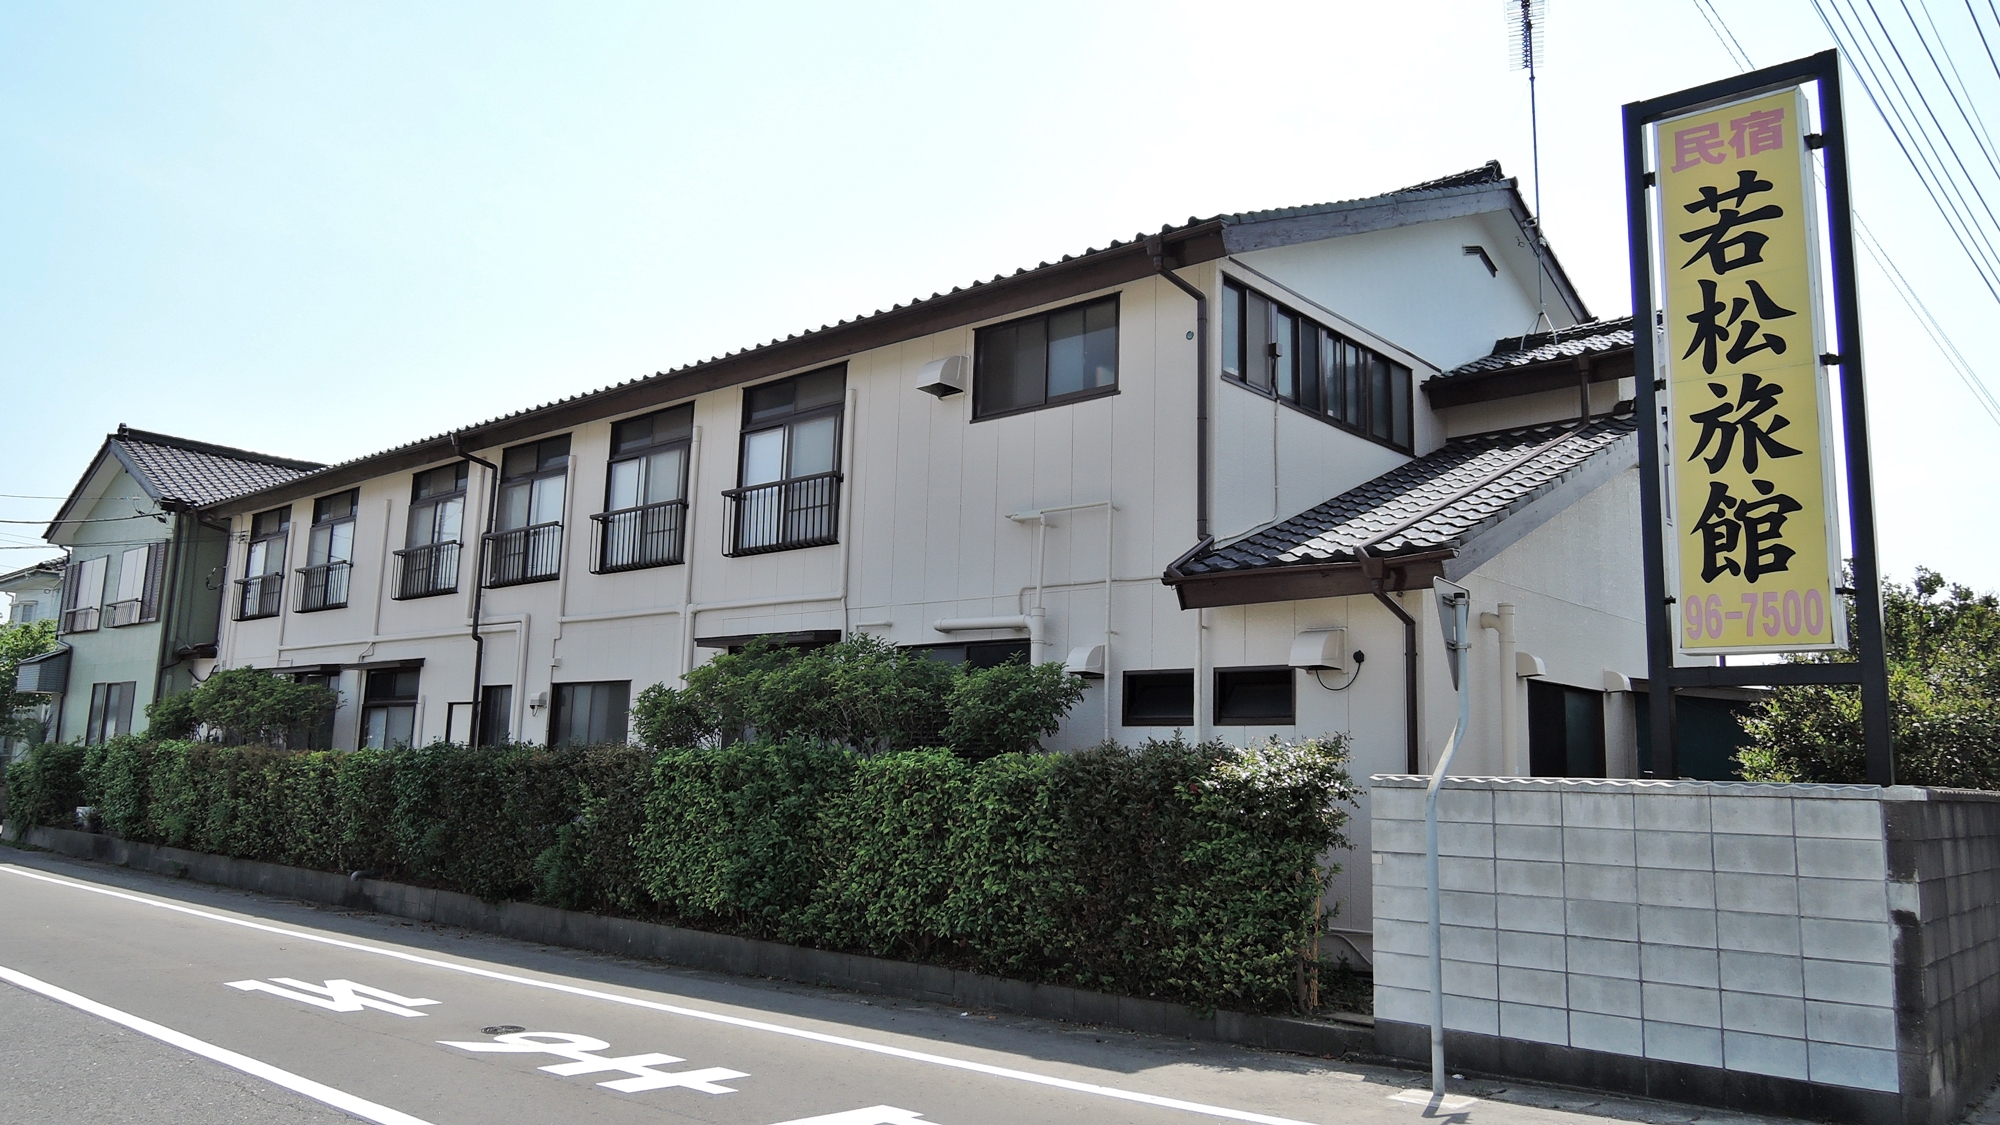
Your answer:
<point x="1162" y="698"/>
<point x="1254" y="697"/>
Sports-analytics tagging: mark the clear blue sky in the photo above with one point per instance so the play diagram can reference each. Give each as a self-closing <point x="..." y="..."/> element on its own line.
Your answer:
<point x="321" y="230"/>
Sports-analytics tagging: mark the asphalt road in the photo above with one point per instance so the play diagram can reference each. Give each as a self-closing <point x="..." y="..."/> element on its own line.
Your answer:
<point x="126" y="997"/>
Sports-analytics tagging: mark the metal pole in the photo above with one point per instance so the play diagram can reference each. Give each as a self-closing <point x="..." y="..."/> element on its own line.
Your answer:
<point x="1659" y="642"/>
<point x="1854" y="417"/>
<point x="1461" y="610"/>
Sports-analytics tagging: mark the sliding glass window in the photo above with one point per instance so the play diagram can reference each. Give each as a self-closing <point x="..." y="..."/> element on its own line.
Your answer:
<point x="1279" y="352"/>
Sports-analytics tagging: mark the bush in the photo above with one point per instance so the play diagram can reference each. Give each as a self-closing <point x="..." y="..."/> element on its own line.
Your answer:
<point x="46" y="785"/>
<point x="863" y="693"/>
<point x="1178" y="871"/>
<point x="731" y="833"/>
<point x="1943" y="646"/>
<point x="243" y="705"/>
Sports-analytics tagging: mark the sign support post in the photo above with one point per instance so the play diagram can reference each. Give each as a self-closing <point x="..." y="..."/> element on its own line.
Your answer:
<point x="1731" y="546"/>
<point x="1454" y="612"/>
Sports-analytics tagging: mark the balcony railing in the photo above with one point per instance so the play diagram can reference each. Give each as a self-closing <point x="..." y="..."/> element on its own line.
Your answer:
<point x="427" y="570"/>
<point x="801" y="512"/>
<point x="323" y="586"/>
<point x="259" y="596"/>
<point x="82" y="620"/>
<point x="525" y="554"/>
<point x="631" y="538"/>
<point x="126" y="612"/>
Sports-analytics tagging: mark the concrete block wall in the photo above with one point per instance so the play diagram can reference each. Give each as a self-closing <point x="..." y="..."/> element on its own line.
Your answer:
<point x="1942" y="848"/>
<point x="1729" y="943"/>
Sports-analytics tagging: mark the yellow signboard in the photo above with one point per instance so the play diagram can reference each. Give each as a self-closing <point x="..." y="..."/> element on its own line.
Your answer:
<point x="1754" y="525"/>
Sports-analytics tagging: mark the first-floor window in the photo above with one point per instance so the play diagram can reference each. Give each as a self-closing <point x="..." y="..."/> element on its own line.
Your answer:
<point x="496" y="712"/>
<point x="589" y="714"/>
<point x="1160" y="699"/>
<point x="110" y="711"/>
<point x="1254" y="697"/>
<point x="389" y="708"/>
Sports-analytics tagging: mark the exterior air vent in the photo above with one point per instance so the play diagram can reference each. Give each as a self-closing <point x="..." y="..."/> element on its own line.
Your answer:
<point x="943" y="377"/>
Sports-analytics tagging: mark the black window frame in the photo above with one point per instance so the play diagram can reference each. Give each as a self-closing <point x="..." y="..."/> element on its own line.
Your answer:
<point x="1227" y="680"/>
<point x="646" y="535"/>
<point x="496" y="713"/>
<point x="426" y="570"/>
<point x="391" y="699"/>
<point x="558" y="711"/>
<point x="987" y="332"/>
<point x="267" y="586"/>
<point x="816" y="496"/>
<point x="532" y="552"/>
<point x="324" y="585"/>
<point x="978" y="655"/>
<point x="1136" y="682"/>
<point x="1311" y="342"/>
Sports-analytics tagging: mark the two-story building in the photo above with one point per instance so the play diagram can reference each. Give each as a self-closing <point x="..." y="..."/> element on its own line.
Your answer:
<point x="1214" y="470"/>
<point x="142" y="584"/>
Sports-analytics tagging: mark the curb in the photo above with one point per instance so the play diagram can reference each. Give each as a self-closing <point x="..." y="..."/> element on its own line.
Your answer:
<point x="724" y="953"/>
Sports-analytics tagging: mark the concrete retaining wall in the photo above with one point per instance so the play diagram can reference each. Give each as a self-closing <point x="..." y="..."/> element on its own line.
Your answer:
<point x="717" y="952"/>
<point x="1824" y="951"/>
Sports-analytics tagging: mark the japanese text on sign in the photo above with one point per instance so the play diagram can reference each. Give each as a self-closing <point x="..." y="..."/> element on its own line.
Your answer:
<point x="1753" y="531"/>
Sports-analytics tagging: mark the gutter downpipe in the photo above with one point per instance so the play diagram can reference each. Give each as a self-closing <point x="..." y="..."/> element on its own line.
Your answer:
<point x="1157" y="247"/>
<point x="1377" y="574"/>
<point x="479" y="591"/>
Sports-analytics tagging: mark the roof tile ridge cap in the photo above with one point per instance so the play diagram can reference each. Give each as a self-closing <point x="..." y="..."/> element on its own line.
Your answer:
<point x="228" y="452"/>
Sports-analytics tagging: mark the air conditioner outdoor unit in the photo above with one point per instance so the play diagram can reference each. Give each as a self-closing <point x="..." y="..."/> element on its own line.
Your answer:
<point x="943" y="377"/>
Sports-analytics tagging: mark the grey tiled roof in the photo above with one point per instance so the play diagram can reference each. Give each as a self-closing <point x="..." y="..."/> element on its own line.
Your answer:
<point x="1489" y="173"/>
<point x="1374" y="514"/>
<point x="1582" y="339"/>
<point x="195" y="472"/>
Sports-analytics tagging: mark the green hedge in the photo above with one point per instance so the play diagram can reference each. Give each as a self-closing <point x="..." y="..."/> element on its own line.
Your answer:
<point x="1178" y="871"/>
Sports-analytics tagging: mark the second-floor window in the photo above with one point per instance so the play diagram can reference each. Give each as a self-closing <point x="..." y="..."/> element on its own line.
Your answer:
<point x="329" y="552"/>
<point x="83" y="595"/>
<point x="428" y="562"/>
<point x="140" y="570"/>
<point x="526" y="543"/>
<point x="1281" y="353"/>
<point x="645" y="502"/>
<point x="1046" y="359"/>
<point x="788" y="482"/>
<point x="263" y="581"/>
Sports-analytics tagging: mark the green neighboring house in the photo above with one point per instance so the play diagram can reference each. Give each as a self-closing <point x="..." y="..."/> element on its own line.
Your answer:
<point x="143" y="587"/>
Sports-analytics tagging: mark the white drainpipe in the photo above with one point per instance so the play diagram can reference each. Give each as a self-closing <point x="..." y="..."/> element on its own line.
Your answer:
<point x="1033" y="621"/>
<point x="1510" y="688"/>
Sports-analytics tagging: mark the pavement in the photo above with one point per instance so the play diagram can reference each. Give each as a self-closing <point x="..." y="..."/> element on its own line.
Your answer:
<point x="132" y="997"/>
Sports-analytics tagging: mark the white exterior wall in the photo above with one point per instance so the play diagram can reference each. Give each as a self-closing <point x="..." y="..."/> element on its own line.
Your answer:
<point x="926" y="534"/>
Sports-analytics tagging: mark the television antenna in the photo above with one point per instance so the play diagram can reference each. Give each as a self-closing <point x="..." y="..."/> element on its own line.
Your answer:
<point x="1525" y="21"/>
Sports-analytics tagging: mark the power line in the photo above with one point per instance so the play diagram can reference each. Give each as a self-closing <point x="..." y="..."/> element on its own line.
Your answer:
<point x="1940" y="184"/>
<point x="1898" y="128"/>
<point x="1897" y="281"/>
<point x="1981" y="28"/>
<point x="1942" y="133"/>
<point x="1985" y="139"/>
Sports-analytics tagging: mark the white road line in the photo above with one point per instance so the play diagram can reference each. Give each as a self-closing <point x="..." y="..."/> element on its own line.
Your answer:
<point x="338" y="1099"/>
<point x="692" y="1013"/>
